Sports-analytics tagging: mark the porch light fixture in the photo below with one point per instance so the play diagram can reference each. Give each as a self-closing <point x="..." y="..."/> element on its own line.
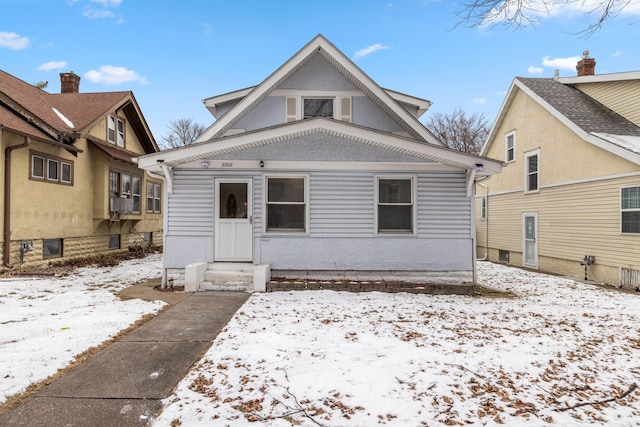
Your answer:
<point x="261" y="163"/>
<point x="479" y="167"/>
<point x="204" y="164"/>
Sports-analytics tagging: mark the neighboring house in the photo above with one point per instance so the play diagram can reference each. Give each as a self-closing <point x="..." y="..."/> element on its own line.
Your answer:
<point x="70" y="186"/>
<point x="318" y="172"/>
<point x="570" y="188"/>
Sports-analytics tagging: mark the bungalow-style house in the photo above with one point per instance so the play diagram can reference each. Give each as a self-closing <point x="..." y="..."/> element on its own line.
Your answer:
<point x="70" y="186"/>
<point x="318" y="172"/>
<point x="568" y="198"/>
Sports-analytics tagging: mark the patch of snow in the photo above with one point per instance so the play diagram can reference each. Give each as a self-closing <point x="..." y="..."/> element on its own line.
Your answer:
<point x="63" y="118"/>
<point x="631" y="143"/>
<point x="359" y="359"/>
<point x="46" y="322"/>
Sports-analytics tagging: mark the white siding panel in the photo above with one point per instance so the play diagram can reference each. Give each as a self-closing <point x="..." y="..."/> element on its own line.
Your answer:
<point x="444" y="211"/>
<point x="191" y="205"/>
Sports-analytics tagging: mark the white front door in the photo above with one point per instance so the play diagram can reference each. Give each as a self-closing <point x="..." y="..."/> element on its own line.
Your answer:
<point x="530" y="240"/>
<point x="233" y="217"/>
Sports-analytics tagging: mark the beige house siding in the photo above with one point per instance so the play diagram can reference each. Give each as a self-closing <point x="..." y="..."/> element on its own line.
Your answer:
<point x="621" y="96"/>
<point x="535" y="128"/>
<point x="578" y="205"/>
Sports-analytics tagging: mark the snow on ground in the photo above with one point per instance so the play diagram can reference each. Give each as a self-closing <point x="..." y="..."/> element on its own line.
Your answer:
<point x="46" y="322"/>
<point x="360" y="359"/>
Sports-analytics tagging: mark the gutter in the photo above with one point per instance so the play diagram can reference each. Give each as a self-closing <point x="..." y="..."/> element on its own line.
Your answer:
<point x="6" y="253"/>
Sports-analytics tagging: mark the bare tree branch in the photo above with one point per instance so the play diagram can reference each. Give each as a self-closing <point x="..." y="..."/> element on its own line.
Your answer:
<point x="514" y="14"/>
<point x="459" y="131"/>
<point x="181" y="132"/>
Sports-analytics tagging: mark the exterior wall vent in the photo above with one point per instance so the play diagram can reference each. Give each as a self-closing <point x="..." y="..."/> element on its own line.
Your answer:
<point x="629" y="278"/>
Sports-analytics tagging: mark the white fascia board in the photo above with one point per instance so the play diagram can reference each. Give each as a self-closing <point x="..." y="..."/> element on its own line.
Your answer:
<point x="293" y="165"/>
<point x="422" y="104"/>
<point x="213" y="102"/>
<point x="389" y="141"/>
<point x="598" y="78"/>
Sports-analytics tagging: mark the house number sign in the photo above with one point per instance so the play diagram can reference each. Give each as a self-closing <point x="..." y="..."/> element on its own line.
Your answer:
<point x="227" y="164"/>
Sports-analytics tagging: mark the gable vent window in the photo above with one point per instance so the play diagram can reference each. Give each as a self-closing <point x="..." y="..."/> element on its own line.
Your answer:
<point x="115" y="131"/>
<point x="317" y="107"/>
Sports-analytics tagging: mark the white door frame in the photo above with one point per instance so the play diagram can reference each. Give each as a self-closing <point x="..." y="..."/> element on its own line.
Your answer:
<point x="530" y="238"/>
<point x="233" y="236"/>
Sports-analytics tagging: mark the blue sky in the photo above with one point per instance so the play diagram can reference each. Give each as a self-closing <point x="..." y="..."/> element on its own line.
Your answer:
<point x="172" y="54"/>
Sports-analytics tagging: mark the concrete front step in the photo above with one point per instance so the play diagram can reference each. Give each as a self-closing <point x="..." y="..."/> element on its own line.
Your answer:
<point x="224" y="276"/>
<point x="229" y="286"/>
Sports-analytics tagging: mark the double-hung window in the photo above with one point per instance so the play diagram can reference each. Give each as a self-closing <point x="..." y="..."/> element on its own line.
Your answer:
<point x="115" y="131"/>
<point x="630" y="209"/>
<point x="483" y="207"/>
<point x="395" y="205"/>
<point x="286" y="204"/>
<point x="153" y="197"/>
<point x="532" y="171"/>
<point x="510" y="147"/>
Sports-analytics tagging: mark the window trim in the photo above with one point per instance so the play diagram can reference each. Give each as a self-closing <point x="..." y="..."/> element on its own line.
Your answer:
<point x="130" y="194"/>
<point x="511" y="134"/>
<point x="265" y="205"/>
<point x="61" y="248"/>
<point x="113" y="236"/>
<point x="47" y="159"/>
<point x="151" y="196"/>
<point x="527" y="173"/>
<point x="622" y="210"/>
<point x="414" y="193"/>
<point x="117" y="133"/>
<point x="338" y="98"/>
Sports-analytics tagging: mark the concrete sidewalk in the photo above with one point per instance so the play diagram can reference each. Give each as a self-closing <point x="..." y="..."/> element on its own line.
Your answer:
<point x="123" y="384"/>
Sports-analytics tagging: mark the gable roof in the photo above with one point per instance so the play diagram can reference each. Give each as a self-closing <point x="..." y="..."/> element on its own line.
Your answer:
<point x="428" y="152"/>
<point x="66" y="115"/>
<point x="320" y="46"/>
<point x="589" y="119"/>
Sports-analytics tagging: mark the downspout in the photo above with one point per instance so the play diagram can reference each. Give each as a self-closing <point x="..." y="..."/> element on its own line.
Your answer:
<point x="167" y="177"/>
<point x="486" y="221"/>
<point x="6" y="253"/>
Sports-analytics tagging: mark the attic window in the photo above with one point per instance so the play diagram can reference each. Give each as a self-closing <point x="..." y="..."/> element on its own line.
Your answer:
<point x="115" y="131"/>
<point x="318" y="107"/>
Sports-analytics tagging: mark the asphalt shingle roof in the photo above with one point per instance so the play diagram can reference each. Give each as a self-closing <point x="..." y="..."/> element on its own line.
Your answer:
<point x="587" y="113"/>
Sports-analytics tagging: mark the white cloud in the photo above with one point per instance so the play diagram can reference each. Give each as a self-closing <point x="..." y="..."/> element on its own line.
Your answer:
<point x="564" y="63"/>
<point x="369" y="50"/>
<point x="479" y="101"/>
<point x="98" y="14"/>
<point x="110" y="75"/>
<point x="13" y="41"/>
<point x="108" y="3"/>
<point x="617" y="53"/>
<point x="52" y="65"/>
<point x="535" y="70"/>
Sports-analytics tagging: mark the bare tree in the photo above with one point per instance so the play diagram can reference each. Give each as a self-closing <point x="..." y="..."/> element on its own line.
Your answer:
<point x="181" y="132"/>
<point x="522" y="13"/>
<point x="458" y="131"/>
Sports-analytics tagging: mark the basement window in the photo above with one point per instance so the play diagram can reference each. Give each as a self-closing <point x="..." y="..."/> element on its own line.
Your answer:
<point x="51" y="248"/>
<point x="503" y="256"/>
<point x="114" y="241"/>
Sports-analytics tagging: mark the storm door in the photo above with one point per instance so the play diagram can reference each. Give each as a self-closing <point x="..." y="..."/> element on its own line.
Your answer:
<point x="233" y="217"/>
<point x="530" y="240"/>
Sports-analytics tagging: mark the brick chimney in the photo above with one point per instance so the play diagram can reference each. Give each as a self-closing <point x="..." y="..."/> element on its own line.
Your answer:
<point x="69" y="82"/>
<point x="586" y="66"/>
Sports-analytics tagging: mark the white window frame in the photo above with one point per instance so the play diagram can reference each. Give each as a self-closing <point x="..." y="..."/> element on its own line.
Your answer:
<point x="153" y="196"/>
<point x="49" y="170"/>
<point x="483" y="207"/>
<point x="62" y="167"/>
<point x="414" y="193"/>
<point x="511" y="135"/>
<point x="44" y="167"/>
<point x="339" y="101"/>
<point x="622" y="210"/>
<point x="116" y="126"/>
<point x="527" y="172"/>
<point x="266" y="203"/>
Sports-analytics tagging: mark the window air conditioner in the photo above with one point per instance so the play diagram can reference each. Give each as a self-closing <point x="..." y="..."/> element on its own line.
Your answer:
<point x="121" y="205"/>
